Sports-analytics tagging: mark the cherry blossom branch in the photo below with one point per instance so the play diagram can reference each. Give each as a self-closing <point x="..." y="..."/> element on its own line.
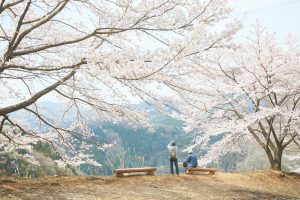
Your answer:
<point x="34" y="98"/>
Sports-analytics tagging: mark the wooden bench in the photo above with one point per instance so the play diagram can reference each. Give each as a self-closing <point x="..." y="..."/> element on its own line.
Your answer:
<point x="148" y="170"/>
<point x="209" y="170"/>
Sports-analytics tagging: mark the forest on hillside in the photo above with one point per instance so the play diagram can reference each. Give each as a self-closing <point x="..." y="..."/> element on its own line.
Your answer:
<point x="132" y="147"/>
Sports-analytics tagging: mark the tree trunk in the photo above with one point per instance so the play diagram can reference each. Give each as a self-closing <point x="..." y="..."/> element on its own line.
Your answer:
<point x="275" y="161"/>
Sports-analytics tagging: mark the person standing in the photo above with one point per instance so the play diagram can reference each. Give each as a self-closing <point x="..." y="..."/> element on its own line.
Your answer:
<point x="173" y="156"/>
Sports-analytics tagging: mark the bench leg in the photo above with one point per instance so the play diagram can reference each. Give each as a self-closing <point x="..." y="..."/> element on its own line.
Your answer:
<point x="119" y="174"/>
<point x="211" y="172"/>
<point x="150" y="173"/>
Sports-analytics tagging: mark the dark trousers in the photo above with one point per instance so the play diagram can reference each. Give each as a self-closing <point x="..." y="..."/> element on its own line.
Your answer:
<point x="175" y="162"/>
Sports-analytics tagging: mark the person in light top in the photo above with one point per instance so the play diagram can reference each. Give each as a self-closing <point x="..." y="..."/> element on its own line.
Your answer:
<point x="173" y="156"/>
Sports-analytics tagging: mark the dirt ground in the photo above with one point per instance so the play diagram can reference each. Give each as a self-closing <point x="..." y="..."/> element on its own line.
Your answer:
<point x="252" y="185"/>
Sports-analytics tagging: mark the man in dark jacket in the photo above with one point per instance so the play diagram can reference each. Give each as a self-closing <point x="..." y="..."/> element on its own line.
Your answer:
<point x="191" y="161"/>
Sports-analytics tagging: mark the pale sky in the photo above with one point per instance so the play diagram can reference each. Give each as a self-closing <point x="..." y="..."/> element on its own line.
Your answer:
<point x="281" y="16"/>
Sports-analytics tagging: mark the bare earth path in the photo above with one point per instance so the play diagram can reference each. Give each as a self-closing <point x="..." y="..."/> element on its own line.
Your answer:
<point x="252" y="185"/>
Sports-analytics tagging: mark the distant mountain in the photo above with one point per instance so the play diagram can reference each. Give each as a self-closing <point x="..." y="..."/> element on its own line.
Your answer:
<point x="136" y="146"/>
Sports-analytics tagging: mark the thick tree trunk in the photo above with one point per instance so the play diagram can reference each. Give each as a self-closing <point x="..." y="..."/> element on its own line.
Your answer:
<point x="275" y="160"/>
<point x="276" y="166"/>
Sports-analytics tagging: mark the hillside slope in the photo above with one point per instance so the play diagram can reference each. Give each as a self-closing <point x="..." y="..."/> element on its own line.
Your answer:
<point x="252" y="185"/>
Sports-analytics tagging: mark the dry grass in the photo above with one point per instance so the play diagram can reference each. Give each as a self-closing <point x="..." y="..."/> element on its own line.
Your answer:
<point x="252" y="185"/>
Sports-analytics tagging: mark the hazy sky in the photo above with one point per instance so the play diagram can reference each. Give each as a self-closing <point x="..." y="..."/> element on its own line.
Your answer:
<point x="281" y="16"/>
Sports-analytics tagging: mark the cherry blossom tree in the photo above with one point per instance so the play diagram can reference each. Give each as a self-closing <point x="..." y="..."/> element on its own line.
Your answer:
<point x="96" y="55"/>
<point x="249" y="94"/>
